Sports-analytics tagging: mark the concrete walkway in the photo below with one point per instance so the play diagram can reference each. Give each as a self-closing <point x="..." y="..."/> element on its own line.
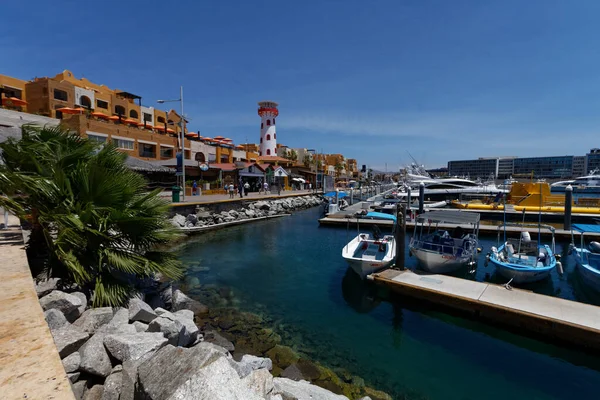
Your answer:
<point x="30" y="367"/>
<point x="217" y="198"/>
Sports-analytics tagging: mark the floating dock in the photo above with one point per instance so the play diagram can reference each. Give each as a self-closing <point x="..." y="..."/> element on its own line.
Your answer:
<point x="554" y="318"/>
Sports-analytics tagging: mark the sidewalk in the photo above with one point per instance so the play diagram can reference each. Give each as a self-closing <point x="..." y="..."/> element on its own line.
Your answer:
<point x="217" y="198"/>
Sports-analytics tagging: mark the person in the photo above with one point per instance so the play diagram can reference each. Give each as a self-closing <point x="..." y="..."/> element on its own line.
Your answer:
<point x="231" y="190"/>
<point x="246" y="188"/>
<point x="278" y="188"/>
<point x="266" y="187"/>
<point x="194" y="188"/>
<point x="241" y="189"/>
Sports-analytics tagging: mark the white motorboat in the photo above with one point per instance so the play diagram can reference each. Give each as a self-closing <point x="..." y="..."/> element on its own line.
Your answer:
<point x="582" y="185"/>
<point x="440" y="251"/>
<point x="368" y="253"/>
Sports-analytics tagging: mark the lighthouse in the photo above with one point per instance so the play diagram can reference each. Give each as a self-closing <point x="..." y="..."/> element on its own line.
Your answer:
<point x="268" y="137"/>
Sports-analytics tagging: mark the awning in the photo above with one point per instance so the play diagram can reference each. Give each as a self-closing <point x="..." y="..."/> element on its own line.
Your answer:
<point x="130" y="121"/>
<point x="13" y="101"/>
<point x="583" y="228"/>
<point x="162" y="128"/>
<point x="299" y="180"/>
<point x="100" y="115"/>
<point x="114" y="118"/>
<point x="332" y="194"/>
<point x="69" y="110"/>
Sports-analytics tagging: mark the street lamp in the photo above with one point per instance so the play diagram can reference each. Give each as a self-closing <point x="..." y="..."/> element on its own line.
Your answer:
<point x="314" y="152"/>
<point x="180" y="99"/>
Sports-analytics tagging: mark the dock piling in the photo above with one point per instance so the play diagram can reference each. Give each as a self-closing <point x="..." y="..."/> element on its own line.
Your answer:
<point x="568" y="204"/>
<point x="408" y="199"/>
<point x="421" y="197"/>
<point x="400" y="235"/>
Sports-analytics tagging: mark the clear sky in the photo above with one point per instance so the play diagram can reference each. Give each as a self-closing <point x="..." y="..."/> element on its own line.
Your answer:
<point x="443" y="80"/>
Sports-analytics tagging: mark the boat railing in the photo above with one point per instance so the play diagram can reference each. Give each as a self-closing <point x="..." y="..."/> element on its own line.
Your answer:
<point x="443" y="248"/>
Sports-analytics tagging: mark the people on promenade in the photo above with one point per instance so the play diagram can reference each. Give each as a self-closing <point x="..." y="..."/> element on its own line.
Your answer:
<point x="231" y="190"/>
<point x="266" y="187"/>
<point x="194" y="188"/>
<point x="241" y="189"/>
<point x="246" y="188"/>
<point x="278" y="188"/>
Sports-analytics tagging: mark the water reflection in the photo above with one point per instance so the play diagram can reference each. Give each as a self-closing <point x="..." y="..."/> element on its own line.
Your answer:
<point x="358" y="293"/>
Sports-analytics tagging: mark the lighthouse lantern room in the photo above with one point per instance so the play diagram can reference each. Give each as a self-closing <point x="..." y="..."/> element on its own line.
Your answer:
<point x="268" y="137"/>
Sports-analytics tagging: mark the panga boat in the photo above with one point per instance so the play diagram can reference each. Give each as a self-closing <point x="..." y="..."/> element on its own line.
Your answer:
<point x="439" y="251"/>
<point x="368" y="253"/>
<point x="587" y="260"/>
<point x="524" y="260"/>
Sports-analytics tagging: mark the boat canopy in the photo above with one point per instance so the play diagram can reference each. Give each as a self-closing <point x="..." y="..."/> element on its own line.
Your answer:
<point x="332" y="194"/>
<point x="586" y="228"/>
<point x="451" y="217"/>
<point x="380" y="215"/>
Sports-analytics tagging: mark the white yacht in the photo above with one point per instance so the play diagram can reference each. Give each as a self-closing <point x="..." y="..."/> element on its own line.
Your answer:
<point x="582" y="185"/>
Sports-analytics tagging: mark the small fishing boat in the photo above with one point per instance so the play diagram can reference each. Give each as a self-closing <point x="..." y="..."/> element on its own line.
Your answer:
<point x="524" y="260"/>
<point x="587" y="260"/>
<point x="368" y="253"/>
<point x="440" y="251"/>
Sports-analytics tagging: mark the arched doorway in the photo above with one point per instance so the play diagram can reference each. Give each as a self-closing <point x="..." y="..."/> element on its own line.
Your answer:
<point x="85" y="102"/>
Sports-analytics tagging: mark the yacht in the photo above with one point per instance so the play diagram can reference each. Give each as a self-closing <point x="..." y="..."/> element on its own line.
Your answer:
<point x="582" y="185"/>
<point x="449" y="188"/>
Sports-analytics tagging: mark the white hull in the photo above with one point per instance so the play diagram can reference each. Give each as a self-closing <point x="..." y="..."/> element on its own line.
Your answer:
<point x="439" y="263"/>
<point x="590" y="278"/>
<point x="519" y="277"/>
<point x="367" y="267"/>
<point x="364" y="265"/>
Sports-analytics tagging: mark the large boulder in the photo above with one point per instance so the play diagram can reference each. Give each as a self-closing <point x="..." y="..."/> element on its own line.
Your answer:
<point x="68" y="339"/>
<point x="182" y="302"/>
<point x="94" y="318"/>
<point x="79" y="389"/>
<point x="260" y="381"/>
<point x="71" y="362"/>
<point x="262" y="205"/>
<point x="94" y="393"/>
<point x="188" y="314"/>
<point x="283" y="356"/>
<point x="46" y="286"/>
<point x="290" y="389"/>
<point x="55" y="319"/>
<point x="112" y="386"/>
<point x="170" y="327"/>
<point x="81" y="296"/>
<point x="140" y="326"/>
<point x="94" y="357"/>
<point x="192" y="218"/>
<point x="132" y="346"/>
<point x="257" y="362"/>
<point x="73" y="376"/>
<point x="140" y="311"/>
<point x="120" y="317"/>
<point x="178" y="220"/>
<point x="293" y="372"/>
<point x="66" y="303"/>
<point x="199" y="373"/>
<point x="190" y="333"/>
<point x="215" y="338"/>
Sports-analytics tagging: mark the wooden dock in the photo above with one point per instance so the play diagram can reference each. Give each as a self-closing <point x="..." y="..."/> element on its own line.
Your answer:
<point x="550" y="317"/>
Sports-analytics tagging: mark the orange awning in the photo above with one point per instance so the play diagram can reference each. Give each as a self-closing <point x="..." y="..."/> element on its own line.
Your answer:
<point x="130" y="121"/>
<point x="219" y="138"/>
<point x="191" y="134"/>
<point x="100" y="115"/>
<point x="13" y="101"/>
<point x="162" y="128"/>
<point x="114" y="117"/>
<point x="69" y="110"/>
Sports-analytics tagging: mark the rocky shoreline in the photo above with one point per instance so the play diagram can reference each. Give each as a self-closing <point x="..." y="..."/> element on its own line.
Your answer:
<point x="169" y="346"/>
<point x="258" y="209"/>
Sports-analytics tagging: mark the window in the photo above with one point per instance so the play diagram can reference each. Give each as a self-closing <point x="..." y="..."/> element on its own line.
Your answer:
<point x="161" y="120"/>
<point x="133" y="114"/>
<point x="261" y="140"/>
<point x="60" y="95"/>
<point x="147" y="150"/>
<point x="102" y="104"/>
<point x="147" y="117"/>
<point x="274" y="136"/>
<point x="123" y="144"/>
<point x="166" y="152"/>
<point x="273" y="121"/>
<point x="268" y="137"/>
<point x="85" y="101"/>
<point x="268" y="152"/>
<point x="262" y="125"/>
<point x="268" y="122"/>
<point x="119" y="110"/>
<point x="96" y="138"/>
<point x="45" y="91"/>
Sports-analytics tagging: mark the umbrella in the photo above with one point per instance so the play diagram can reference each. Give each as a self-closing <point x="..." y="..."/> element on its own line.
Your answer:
<point x="332" y="194"/>
<point x="13" y="101"/>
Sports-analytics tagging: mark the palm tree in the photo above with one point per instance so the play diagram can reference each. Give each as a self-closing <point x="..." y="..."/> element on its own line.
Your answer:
<point x="307" y="161"/>
<point x="338" y="169"/>
<point x="92" y="221"/>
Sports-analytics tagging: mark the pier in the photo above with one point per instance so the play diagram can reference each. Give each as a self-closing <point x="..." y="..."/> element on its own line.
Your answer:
<point x="537" y="314"/>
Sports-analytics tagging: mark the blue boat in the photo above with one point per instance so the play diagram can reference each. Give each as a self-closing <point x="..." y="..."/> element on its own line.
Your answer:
<point x="587" y="260"/>
<point x="524" y="260"/>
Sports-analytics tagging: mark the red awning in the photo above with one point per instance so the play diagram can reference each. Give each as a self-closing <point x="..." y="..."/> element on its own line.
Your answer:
<point x="100" y="115"/>
<point x="13" y="101"/>
<point x="69" y="110"/>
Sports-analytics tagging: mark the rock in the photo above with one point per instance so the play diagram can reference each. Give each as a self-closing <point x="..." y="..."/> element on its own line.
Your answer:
<point x="78" y="389"/>
<point x="293" y="372"/>
<point x="282" y="356"/>
<point x="275" y="397"/>
<point x="308" y="369"/>
<point x="46" y="286"/>
<point x="192" y="218"/>
<point x="191" y="333"/>
<point x="260" y="381"/>
<point x="83" y="298"/>
<point x="140" y="326"/>
<point x="160" y="311"/>
<point x="140" y="311"/>
<point x="93" y="318"/>
<point x="117" y="368"/>
<point x="290" y="389"/>
<point x="178" y="220"/>
<point x="365" y="398"/>
<point x="199" y="373"/>
<point x="66" y="303"/>
<point x="120" y="317"/>
<point x="169" y="326"/>
<point x="215" y="338"/>
<point x="257" y="362"/>
<point x="71" y="362"/>
<point x="112" y="386"/>
<point x="188" y="314"/>
<point x="182" y="302"/>
<point x="242" y="370"/>
<point x="376" y="394"/>
<point x="55" y="319"/>
<point x="94" y="357"/>
<point x="155" y="300"/>
<point x="262" y="205"/>
<point x="68" y="339"/>
<point x="74" y="376"/>
<point x="94" y="393"/>
<point x="133" y="346"/>
<point x="192" y="282"/>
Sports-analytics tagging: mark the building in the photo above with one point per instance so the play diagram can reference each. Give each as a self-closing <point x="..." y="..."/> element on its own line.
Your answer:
<point x="267" y="110"/>
<point x="480" y="168"/>
<point x="579" y="163"/>
<point x="592" y="161"/>
<point x="12" y="93"/>
<point x="544" y="167"/>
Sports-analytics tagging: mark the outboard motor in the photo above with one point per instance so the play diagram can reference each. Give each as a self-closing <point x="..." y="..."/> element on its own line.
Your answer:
<point x="594" y="247"/>
<point x="525" y="237"/>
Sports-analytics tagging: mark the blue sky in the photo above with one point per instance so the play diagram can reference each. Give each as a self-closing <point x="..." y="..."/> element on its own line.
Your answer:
<point x="443" y="80"/>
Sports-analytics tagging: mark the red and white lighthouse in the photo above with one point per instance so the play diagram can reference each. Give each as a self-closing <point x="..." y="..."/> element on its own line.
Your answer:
<point x="268" y="137"/>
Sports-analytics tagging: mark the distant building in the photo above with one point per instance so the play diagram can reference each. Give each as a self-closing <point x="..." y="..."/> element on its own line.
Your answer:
<point x="592" y="160"/>
<point x="579" y="168"/>
<point x="268" y="111"/>
<point x="498" y="167"/>
<point x="544" y="167"/>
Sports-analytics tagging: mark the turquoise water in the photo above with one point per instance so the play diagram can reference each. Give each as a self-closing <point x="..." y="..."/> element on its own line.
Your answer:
<point x="291" y="270"/>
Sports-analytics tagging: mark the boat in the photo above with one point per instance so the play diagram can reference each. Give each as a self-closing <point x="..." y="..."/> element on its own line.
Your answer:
<point x="371" y="252"/>
<point x="524" y="260"/>
<point x="334" y="202"/>
<point x="587" y="259"/>
<point x="440" y="251"/>
<point x="436" y="189"/>
<point x="589" y="184"/>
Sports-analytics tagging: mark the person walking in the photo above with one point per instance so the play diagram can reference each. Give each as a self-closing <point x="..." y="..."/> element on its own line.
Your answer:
<point x="278" y="188"/>
<point x="231" y="190"/>
<point x="246" y="188"/>
<point x="241" y="189"/>
<point x="194" y="188"/>
<point x="266" y="187"/>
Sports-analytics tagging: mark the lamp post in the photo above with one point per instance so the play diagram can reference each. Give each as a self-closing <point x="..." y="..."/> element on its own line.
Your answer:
<point x="313" y="151"/>
<point x="182" y="121"/>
